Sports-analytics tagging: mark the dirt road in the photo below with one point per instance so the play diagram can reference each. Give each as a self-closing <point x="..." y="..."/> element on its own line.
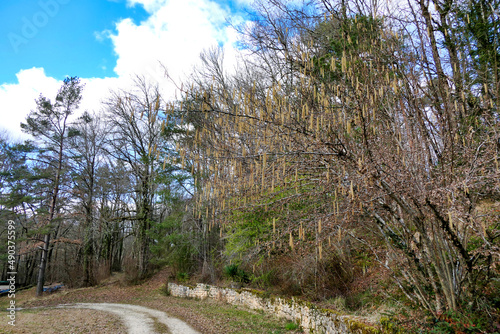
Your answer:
<point x="139" y="319"/>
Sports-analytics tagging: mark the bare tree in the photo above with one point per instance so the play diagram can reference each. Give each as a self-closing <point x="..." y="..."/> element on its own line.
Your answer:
<point x="87" y="149"/>
<point x="359" y="121"/>
<point x="135" y="139"/>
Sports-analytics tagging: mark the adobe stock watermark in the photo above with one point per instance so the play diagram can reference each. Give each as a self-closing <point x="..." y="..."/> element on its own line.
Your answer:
<point x="31" y="25"/>
<point x="11" y="273"/>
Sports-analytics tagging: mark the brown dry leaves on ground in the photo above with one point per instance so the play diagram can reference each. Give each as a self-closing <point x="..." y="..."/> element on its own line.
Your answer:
<point x="49" y="321"/>
<point x="208" y="316"/>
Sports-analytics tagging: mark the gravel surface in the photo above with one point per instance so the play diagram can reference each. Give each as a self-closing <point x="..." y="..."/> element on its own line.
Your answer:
<point x="205" y="316"/>
<point x="139" y="319"/>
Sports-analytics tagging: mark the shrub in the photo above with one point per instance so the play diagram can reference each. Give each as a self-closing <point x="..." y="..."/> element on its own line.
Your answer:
<point x="455" y="322"/>
<point x="182" y="276"/>
<point x="236" y="274"/>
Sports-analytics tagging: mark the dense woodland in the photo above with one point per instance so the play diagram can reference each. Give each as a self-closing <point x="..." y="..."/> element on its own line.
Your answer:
<point x="352" y="155"/>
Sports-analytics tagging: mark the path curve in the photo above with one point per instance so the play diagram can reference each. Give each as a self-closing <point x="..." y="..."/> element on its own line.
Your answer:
<point x="138" y="319"/>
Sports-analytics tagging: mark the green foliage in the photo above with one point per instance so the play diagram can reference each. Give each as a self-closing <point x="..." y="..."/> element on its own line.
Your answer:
<point x="474" y="243"/>
<point x="291" y="326"/>
<point x="248" y="227"/>
<point x="264" y="280"/>
<point x="390" y="326"/>
<point x="182" y="276"/>
<point x="17" y="178"/>
<point x="483" y="25"/>
<point x="457" y="322"/>
<point x="173" y="246"/>
<point x="49" y="120"/>
<point x="236" y="274"/>
<point x="366" y="298"/>
<point x="338" y="39"/>
<point x="231" y="270"/>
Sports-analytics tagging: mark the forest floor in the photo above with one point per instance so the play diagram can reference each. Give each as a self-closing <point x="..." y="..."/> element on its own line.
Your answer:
<point x="42" y="315"/>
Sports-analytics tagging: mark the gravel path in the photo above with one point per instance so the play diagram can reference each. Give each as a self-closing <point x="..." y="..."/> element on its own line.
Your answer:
<point x="139" y="319"/>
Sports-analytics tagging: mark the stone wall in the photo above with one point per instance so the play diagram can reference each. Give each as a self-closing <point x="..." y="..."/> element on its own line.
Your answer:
<point x="309" y="317"/>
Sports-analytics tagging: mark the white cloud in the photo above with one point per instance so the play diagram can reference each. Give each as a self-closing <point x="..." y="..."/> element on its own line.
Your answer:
<point x="97" y="90"/>
<point x="174" y="35"/>
<point x="19" y="99"/>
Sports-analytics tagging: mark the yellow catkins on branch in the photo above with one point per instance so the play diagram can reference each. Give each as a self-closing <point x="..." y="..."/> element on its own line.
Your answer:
<point x="291" y="241"/>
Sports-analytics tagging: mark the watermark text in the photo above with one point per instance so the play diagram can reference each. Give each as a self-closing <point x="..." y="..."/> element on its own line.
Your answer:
<point x="11" y="273"/>
<point x="30" y="26"/>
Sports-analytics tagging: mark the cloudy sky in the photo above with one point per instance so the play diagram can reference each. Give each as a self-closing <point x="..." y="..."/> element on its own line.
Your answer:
<point x="104" y="42"/>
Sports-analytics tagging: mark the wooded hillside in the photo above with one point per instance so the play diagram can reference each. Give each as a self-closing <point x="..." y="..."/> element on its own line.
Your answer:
<point x="353" y="140"/>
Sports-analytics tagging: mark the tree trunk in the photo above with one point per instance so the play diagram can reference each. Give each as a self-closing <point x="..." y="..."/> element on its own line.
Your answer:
<point x="43" y="265"/>
<point x="52" y="210"/>
<point x="88" y="245"/>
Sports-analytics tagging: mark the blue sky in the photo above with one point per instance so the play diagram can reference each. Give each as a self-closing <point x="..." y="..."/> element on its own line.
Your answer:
<point x="104" y="42"/>
<point x="60" y="36"/>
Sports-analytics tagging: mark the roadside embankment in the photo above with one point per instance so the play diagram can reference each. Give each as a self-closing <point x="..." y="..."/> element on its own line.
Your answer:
<point x="311" y="318"/>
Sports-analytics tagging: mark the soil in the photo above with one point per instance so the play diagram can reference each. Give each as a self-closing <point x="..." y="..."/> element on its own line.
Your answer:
<point x="139" y="319"/>
<point x="48" y="321"/>
<point x="41" y="315"/>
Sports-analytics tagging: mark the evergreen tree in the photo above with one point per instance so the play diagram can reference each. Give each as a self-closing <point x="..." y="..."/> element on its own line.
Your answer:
<point x="50" y="126"/>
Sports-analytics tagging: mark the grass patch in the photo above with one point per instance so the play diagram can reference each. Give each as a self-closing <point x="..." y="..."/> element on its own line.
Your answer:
<point x="160" y="327"/>
<point x="50" y="320"/>
<point x="244" y="321"/>
<point x="207" y="316"/>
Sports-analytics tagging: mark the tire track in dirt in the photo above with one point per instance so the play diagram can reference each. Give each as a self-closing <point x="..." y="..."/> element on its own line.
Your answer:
<point x="139" y="319"/>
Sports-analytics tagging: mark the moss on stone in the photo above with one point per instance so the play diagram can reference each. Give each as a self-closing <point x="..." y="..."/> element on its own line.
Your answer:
<point x="390" y="327"/>
<point x="330" y="311"/>
<point x="361" y="328"/>
<point x="259" y="293"/>
<point x="339" y="320"/>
